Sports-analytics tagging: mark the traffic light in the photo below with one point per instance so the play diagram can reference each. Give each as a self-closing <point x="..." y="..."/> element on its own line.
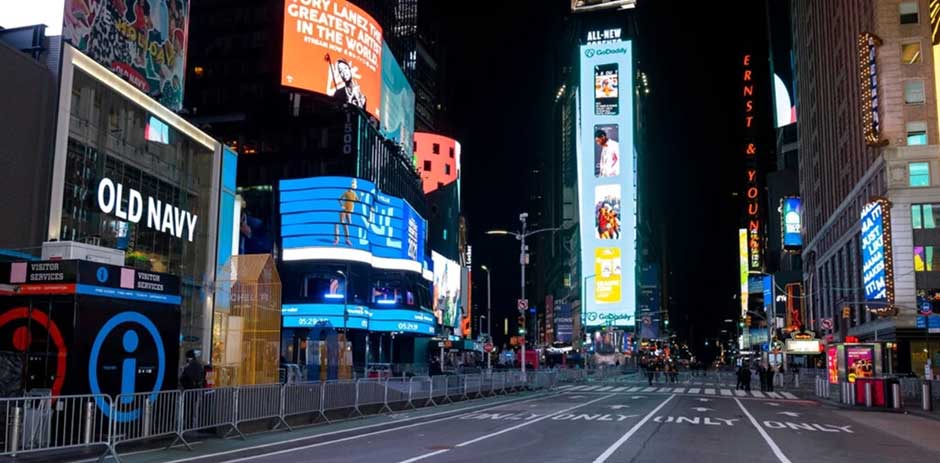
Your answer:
<point x="747" y="320"/>
<point x="521" y="324"/>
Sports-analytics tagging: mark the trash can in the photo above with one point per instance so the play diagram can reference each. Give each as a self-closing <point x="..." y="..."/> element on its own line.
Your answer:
<point x="879" y="391"/>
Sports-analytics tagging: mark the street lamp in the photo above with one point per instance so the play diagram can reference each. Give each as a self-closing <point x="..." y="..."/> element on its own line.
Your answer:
<point x="489" y="315"/>
<point x="521" y="235"/>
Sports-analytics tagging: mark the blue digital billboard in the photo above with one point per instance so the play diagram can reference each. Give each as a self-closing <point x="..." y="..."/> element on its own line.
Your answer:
<point x="607" y="184"/>
<point x="358" y="317"/>
<point x="792" y="219"/>
<point x="344" y="218"/>
<point x="877" y="276"/>
<point x="397" y="112"/>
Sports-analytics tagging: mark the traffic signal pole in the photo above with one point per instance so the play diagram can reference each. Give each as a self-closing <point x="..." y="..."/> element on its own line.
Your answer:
<point x="522" y="250"/>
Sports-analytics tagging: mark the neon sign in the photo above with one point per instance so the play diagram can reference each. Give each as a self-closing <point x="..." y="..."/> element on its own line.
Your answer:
<point x="868" y="44"/>
<point x="752" y="196"/>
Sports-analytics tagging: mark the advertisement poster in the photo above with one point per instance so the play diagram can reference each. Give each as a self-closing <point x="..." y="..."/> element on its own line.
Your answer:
<point x="564" y="323"/>
<point x="875" y="275"/>
<point x="792" y="212"/>
<point x="606" y="150"/>
<point x="859" y="362"/>
<point x="344" y="218"/>
<point x="398" y="103"/>
<point x="334" y="48"/>
<point x="606" y="181"/>
<point x="608" y="278"/>
<point x="446" y="290"/>
<point x="143" y="41"/>
<point x="832" y="364"/>
<point x="607" y="212"/>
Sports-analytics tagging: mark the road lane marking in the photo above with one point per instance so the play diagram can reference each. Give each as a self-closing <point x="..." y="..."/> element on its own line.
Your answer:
<point x="774" y="395"/>
<point x="709" y="391"/>
<point x="679" y="390"/>
<point x="509" y="429"/>
<point x="788" y="395"/>
<point x="770" y="442"/>
<point x="616" y="445"/>
<point x="694" y="390"/>
<point x="757" y="394"/>
<point x="343" y="431"/>
<point x="726" y="392"/>
<point x="605" y="388"/>
<point x="649" y="389"/>
<point x="588" y="388"/>
<point x="740" y="393"/>
<point x="634" y="389"/>
<point x="618" y="389"/>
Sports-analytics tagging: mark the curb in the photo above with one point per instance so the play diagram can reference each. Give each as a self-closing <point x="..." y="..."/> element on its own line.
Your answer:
<point x="899" y="411"/>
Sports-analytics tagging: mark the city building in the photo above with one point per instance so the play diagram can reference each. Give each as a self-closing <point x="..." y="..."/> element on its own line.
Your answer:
<point x="863" y="136"/>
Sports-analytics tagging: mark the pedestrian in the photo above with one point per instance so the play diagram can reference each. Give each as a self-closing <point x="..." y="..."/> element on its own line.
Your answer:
<point x="771" y="375"/>
<point x="194" y="374"/>
<point x="740" y="374"/>
<point x="746" y="376"/>
<point x="796" y="375"/>
<point x="650" y="372"/>
<point x="762" y="376"/>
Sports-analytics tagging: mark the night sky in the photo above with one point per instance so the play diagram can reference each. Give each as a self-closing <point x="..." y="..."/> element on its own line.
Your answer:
<point x="499" y="93"/>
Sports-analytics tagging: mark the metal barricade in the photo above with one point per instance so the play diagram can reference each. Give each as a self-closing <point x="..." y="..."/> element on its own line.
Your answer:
<point x="260" y="402"/>
<point x="36" y="424"/>
<point x="146" y="415"/>
<point x="499" y="382"/>
<point x="303" y="399"/>
<point x="209" y="408"/>
<point x="454" y="387"/>
<point x="370" y="391"/>
<point x="472" y="386"/>
<point x="439" y="390"/>
<point x="339" y="395"/>
<point x="397" y="391"/>
<point x="421" y="387"/>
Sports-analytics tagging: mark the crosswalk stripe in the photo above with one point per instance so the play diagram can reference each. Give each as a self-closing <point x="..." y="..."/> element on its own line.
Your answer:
<point x="694" y="390"/>
<point x="725" y="392"/>
<point x="679" y="390"/>
<point x="757" y="394"/>
<point x="788" y="395"/>
<point x="649" y="389"/>
<point x="618" y="389"/>
<point x="634" y="389"/>
<point x="740" y="393"/>
<point x="774" y="395"/>
<point x="562" y="388"/>
<point x="605" y="388"/>
<point x="709" y="391"/>
<point x="575" y="388"/>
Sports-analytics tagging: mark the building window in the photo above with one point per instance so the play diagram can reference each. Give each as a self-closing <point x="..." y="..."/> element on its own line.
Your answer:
<point x="919" y="173"/>
<point x="451" y="149"/>
<point x="926" y="258"/>
<point x="908" y="12"/>
<point x="913" y="92"/>
<point x="910" y="53"/>
<point x="925" y="216"/>
<point x="436" y="148"/>
<point x="917" y="133"/>
<point x="447" y="169"/>
<point x="427" y="166"/>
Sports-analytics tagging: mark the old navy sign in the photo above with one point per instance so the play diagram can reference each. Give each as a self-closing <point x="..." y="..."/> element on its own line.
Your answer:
<point x="875" y="252"/>
<point x="163" y="217"/>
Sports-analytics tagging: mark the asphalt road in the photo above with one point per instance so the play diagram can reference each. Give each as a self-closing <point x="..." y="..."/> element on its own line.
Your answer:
<point x="605" y="426"/>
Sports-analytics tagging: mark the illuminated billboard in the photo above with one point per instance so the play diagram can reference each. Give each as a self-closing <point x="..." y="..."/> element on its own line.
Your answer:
<point x="606" y="181"/>
<point x="438" y="160"/>
<point x="446" y="290"/>
<point x="743" y="269"/>
<point x="398" y="103"/>
<point x="334" y="48"/>
<point x="877" y="271"/>
<point x="143" y="42"/>
<point x="358" y="317"/>
<point x="344" y="218"/>
<point x="791" y="211"/>
<point x="584" y="6"/>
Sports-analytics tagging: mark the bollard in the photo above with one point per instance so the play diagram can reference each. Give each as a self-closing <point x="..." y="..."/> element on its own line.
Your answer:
<point x="925" y="396"/>
<point x="15" y="434"/>
<point x="896" y="396"/>
<point x="148" y="413"/>
<point x="89" y="421"/>
<point x="868" y="399"/>
<point x="851" y="387"/>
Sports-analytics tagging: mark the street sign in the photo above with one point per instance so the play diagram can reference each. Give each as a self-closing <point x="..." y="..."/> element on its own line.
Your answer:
<point x="931" y="323"/>
<point x="826" y="323"/>
<point x="488" y="347"/>
<point x="522" y="304"/>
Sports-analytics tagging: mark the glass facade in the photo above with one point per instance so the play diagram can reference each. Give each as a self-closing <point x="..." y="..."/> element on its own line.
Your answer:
<point x="109" y="136"/>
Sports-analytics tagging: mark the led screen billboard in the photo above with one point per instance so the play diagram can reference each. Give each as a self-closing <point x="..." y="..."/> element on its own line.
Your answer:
<point x="876" y="251"/>
<point x="358" y="317"/>
<point x="398" y="102"/>
<point x="743" y="269"/>
<point x="606" y="180"/>
<point x="344" y="218"/>
<point x="333" y="47"/>
<point x="143" y="41"/>
<point x="792" y="219"/>
<point x="447" y="275"/>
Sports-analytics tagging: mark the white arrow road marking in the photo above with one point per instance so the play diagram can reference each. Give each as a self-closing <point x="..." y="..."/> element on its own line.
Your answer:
<point x="637" y="397"/>
<point x="773" y="404"/>
<point x="704" y="400"/>
<point x="793" y="414"/>
<point x="701" y="409"/>
<point x="618" y="407"/>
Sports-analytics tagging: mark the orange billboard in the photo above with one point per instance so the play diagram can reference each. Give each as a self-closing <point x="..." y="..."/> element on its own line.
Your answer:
<point x="333" y="47"/>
